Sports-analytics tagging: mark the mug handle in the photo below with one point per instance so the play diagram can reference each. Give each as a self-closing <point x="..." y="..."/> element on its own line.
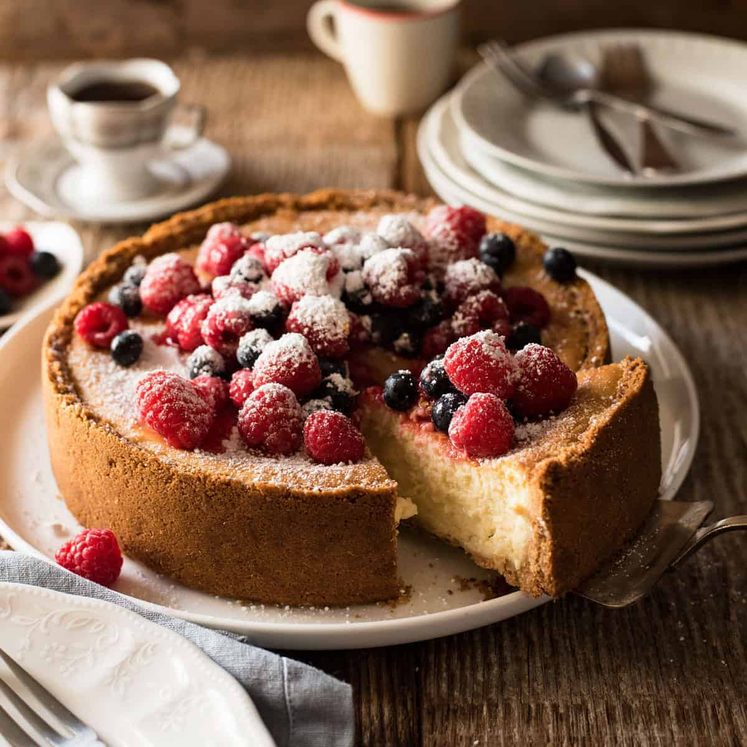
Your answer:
<point x="319" y="26"/>
<point x="191" y="131"/>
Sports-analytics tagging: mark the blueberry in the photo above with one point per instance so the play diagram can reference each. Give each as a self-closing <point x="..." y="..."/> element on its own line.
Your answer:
<point x="444" y="409"/>
<point x="127" y="297"/>
<point x="5" y="302"/>
<point x="330" y="366"/>
<point x="126" y="347"/>
<point x="521" y="335"/>
<point x="400" y="391"/>
<point x="386" y="327"/>
<point x="434" y="381"/>
<point x="205" y="361"/>
<point x="359" y="300"/>
<point x="134" y="274"/>
<point x="247" y="269"/>
<point x="44" y="264"/>
<point x="427" y="313"/>
<point x="560" y="264"/>
<point x="251" y="345"/>
<point x="497" y="250"/>
<point x="338" y="390"/>
<point x="266" y="316"/>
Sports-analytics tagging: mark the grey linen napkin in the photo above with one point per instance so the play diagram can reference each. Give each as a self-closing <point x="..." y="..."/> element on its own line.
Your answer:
<point x="300" y="706"/>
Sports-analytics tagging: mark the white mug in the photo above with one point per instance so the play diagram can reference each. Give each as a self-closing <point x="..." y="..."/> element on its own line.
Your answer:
<point x="114" y="141"/>
<point x="398" y="55"/>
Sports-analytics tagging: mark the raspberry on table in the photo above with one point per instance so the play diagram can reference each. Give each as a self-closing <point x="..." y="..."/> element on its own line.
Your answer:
<point x="482" y="311"/>
<point x="324" y="322"/>
<point x="393" y="277"/>
<point x="241" y="386"/>
<point x="283" y="246"/>
<point x="99" y="323"/>
<point x="331" y="438"/>
<point x="205" y="361"/>
<point x="251" y="345"/>
<point x="93" y="554"/>
<point x="271" y="420"/>
<point x="289" y="361"/>
<point x="305" y="273"/>
<point x="481" y="363"/>
<point x="168" y="279"/>
<point x="455" y="230"/>
<point x="212" y="389"/>
<point x="172" y="407"/>
<point x="483" y="427"/>
<point x="226" y="322"/>
<point x="184" y="321"/>
<point x="468" y="277"/>
<point x="546" y="385"/>
<point x="18" y="241"/>
<point x="222" y="246"/>
<point x="527" y="305"/>
<point x="16" y="275"/>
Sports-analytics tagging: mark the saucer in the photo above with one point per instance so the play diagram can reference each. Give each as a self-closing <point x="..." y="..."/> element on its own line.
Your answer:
<point x="47" y="179"/>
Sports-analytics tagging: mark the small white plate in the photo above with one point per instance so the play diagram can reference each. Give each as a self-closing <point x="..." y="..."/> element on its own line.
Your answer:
<point x="62" y="241"/>
<point x="45" y="177"/>
<point x="693" y="73"/>
<point x="34" y="519"/>
<point x="131" y="680"/>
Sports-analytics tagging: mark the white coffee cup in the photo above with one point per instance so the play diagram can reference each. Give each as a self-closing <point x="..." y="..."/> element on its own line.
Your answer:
<point x="115" y="141"/>
<point x="398" y="55"/>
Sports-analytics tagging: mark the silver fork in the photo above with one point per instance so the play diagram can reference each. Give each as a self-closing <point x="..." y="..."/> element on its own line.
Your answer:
<point x="15" y="732"/>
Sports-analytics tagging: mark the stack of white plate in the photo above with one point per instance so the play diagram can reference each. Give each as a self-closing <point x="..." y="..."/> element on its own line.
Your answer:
<point x="487" y="145"/>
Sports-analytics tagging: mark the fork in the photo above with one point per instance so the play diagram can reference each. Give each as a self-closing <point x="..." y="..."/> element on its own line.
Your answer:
<point x="77" y="733"/>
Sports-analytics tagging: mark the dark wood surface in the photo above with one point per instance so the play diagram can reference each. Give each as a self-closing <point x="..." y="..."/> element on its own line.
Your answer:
<point x="670" y="670"/>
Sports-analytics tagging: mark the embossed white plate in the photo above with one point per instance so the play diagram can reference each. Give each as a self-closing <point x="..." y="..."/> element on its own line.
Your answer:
<point x="33" y="518"/>
<point x="134" y="682"/>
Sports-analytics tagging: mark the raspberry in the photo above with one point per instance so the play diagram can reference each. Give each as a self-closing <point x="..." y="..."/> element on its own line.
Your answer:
<point x="503" y="328"/>
<point x="289" y="361"/>
<point x="397" y="231"/>
<point x="483" y="427"/>
<point x="241" y="386"/>
<point x="467" y="277"/>
<point x="93" y="554"/>
<point x="527" y="305"/>
<point x="284" y="246"/>
<point x="482" y="310"/>
<point x="481" y="363"/>
<point x="248" y="269"/>
<point x="393" y="278"/>
<point x="272" y="420"/>
<point x="99" y="323"/>
<point x="457" y="231"/>
<point x="257" y="250"/>
<point x="18" y="241"/>
<point x="360" y="331"/>
<point x="546" y="385"/>
<point x="437" y="339"/>
<point x="212" y="389"/>
<point x="222" y="246"/>
<point x="370" y="244"/>
<point x="16" y="275"/>
<point x="331" y="438"/>
<point x="184" y="320"/>
<point x="342" y="236"/>
<point x="167" y="280"/>
<point x="225" y="285"/>
<point x="305" y="273"/>
<point x="226" y="322"/>
<point x="324" y="322"/>
<point x="172" y="407"/>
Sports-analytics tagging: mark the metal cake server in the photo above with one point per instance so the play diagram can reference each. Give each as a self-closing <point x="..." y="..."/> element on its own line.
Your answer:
<point x="668" y="537"/>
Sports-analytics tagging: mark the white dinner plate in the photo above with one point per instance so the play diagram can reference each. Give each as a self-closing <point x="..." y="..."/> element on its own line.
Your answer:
<point x="61" y="240"/>
<point x="133" y="681"/>
<point x="704" y="75"/>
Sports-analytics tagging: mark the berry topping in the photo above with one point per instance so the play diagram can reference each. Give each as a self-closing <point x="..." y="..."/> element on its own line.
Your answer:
<point x="370" y="244"/>
<point x="324" y="322"/>
<point x="284" y="246"/>
<point x="467" y="277"/>
<point x="44" y="265"/>
<point x="560" y="264"/>
<point x="521" y="335"/>
<point x="444" y="408"/>
<point x="481" y="363"/>
<point x="93" y="554"/>
<point x="400" y="391"/>
<point x="498" y="250"/>
<point x="434" y="381"/>
<point x="477" y="312"/>
<point x="127" y="297"/>
<point x="272" y="420"/>
<point x="483" y="427"/>
<point x="360" y="331"/>
<point x="225" y="285"/>
<point x="331" y="438"/>
<point x="18" y="241"/>
<point x="205" y="361"/>
<point x="5" y="303"/>
<point x="99" y="323"/>
<point x="338" y="390"/>
<point x="265" y="310"/>
<point x="355" y="295"/>
<point x="135" y="273"/>
<point x="437" y="339"/>
<point x="172" y="407"/>
<point x="16" y="277"/>
<point x="226" y="322"/>
<point x="126" y="347"/>
<point x="251" y="345"/>
<point x="342" y="236"/>
<point x="304" y="274"/>
<point x="315" y="405"/>
<point x="408" y="343"/>
<point x="456" y="232"/>
<point x="184" y="321"/>
<point x="349" y="257"/>
<point x="546" y="385"/>
<point x="241" y="386"/>
<point x="527" y="305"/>
<point x="426" y="313"/>
<point x="397" y="231"/>
<point x="247" y="269"/>
<point x="222" y="246"/>
<point x="212" y="389"/>
<point x="392" y="277"/>
<point x="168" y="279"/>
<point x="289" y="361"/>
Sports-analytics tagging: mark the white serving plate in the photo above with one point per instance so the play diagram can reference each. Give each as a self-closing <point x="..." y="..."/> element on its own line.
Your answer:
<point x="34" y="519"/>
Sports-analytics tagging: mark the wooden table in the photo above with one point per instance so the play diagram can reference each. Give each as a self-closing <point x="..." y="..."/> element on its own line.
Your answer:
<point x="671" y="669"/>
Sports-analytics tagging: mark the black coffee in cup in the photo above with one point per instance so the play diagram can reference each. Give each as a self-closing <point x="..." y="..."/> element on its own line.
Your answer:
<point x="113" y="91"/>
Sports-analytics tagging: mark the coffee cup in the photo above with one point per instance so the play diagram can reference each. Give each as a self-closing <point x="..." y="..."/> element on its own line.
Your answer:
<point x="116" y="117"/>
<point x="398" y="55"/>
